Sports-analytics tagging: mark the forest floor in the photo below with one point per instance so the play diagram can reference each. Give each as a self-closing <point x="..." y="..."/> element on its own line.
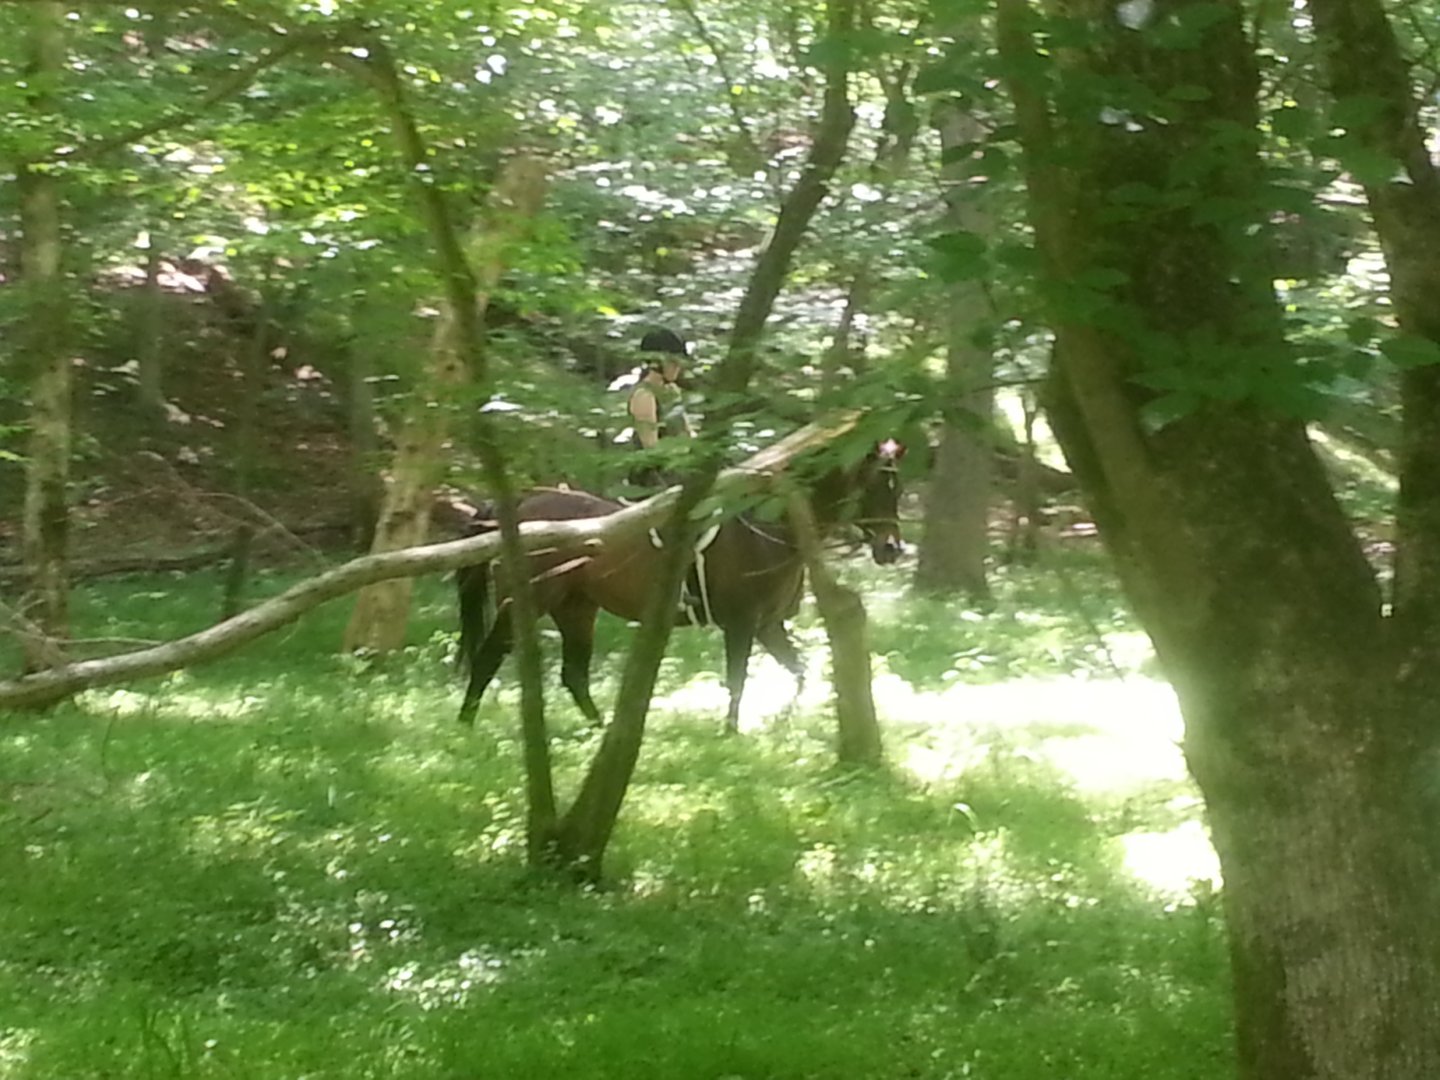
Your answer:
<point x="290" y="863"/>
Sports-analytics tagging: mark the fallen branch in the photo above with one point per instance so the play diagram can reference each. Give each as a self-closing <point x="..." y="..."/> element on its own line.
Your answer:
<point x="56" y="684"/>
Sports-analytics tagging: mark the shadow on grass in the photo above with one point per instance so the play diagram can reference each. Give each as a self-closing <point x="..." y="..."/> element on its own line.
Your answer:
<point x="279" y="865"/>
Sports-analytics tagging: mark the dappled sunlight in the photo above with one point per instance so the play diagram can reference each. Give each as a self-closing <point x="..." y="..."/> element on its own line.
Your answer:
<point x="173" y="701"/>
<point x="1106" y="736"/>
<point x="15" y="1050"/>
<point x="449" y="984"/>
<point x="1172" y="863"/>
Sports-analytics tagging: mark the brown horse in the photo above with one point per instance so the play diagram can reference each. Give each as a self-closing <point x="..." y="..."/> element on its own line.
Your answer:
<point x="751" y="578"/>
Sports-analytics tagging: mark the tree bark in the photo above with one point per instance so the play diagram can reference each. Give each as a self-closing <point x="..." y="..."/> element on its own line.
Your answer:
<point x="46" y="520"/>
<point x="1306" y="710"/>
<point x="150" y="349"/>
<point x="253" y="363"/>
<point x="1025" y="512"/>
<point x="857" y="730"/>
<point x="956" y="536"/>
<point x="366" y="490"/>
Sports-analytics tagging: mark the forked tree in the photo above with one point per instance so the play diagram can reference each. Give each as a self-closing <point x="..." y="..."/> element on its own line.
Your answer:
<point x="1308" y="701"/>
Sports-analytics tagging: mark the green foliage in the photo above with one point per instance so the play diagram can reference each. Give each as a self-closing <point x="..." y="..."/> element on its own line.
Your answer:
<point x="286" y="864"/>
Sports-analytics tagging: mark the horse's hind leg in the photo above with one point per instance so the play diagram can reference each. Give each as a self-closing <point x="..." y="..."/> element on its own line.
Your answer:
<point x="486" y="662"/>
<point x="739" y="640"/>
<point x="776" y="640"/>
<point x="576" y="622"/>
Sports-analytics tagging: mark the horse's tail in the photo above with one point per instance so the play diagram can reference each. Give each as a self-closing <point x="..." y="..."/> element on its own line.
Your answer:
<point x="472" y="584"/>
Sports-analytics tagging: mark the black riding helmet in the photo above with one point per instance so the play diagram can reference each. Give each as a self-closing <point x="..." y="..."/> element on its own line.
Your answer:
<point x="663" y="341"/>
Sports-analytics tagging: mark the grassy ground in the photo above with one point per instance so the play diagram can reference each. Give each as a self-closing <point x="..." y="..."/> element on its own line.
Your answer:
<point x="287" y="864"/>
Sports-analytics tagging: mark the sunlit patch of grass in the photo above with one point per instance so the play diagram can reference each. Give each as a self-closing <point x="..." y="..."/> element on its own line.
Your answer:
<point x="288" y="863"/>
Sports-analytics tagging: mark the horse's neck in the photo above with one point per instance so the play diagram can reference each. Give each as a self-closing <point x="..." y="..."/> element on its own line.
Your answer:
<point x="828" y="498"/>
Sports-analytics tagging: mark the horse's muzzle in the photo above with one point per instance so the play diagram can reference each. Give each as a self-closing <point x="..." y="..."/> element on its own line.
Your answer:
<point x="886" y="548"/>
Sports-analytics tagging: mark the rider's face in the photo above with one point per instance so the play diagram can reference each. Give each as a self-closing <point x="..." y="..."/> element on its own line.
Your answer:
<point x="670" y="370"/>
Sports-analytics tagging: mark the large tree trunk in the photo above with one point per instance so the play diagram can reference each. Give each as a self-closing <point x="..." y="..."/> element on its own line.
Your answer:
<point x="956" y="537"/>
<point x="1329" y="878"/>
<point x="46" y="521"/>
<point x="1307" y="710"/>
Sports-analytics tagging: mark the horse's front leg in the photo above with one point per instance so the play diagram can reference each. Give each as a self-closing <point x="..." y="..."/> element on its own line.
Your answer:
<point x="777" y="642"/>
<point x="739" y="640"/>
<point x="486" y="662"/>
<point x="576" y="622"/>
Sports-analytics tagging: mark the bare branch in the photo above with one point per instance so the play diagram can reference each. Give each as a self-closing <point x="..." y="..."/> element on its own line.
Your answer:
<point x="54" y="685"/>
<point x="228" y="88"/>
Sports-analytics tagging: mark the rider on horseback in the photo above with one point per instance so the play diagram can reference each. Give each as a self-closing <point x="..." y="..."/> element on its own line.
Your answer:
<point x="657" y="412"/>
<point x="656" y="408"/>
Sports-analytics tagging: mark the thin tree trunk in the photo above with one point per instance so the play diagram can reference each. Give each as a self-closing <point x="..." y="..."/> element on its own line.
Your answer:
<point x="585" y="830"/>
<point x="366" y="489"/>
<point x="1367" y="65"/>
<point x="1025" y="515"/>
<point x="845" y="357"/>
<point x="150" y="349"/>
<point x="515" y="199"/>
<point x="956" y="538"/>
<point x="46" y="520"/>
<point x="857" y="731"/>
<point x="254" y="362"/>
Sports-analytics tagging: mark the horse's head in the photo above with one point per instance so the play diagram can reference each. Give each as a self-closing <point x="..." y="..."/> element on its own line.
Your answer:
<point x="877" y="509"/>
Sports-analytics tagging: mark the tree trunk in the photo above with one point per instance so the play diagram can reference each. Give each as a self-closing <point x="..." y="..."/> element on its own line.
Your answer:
<point x="1307" y="710"/>
<point x="46" y="520"/>
<point x="150" y="347"/>
<point x="254" y="361"/>
<point x="366" y="491"/>
<point x="857" y="730"/>
<point x="378" y="621"/>
<point x="1367" y="69"/>
<point x="1330" y="882"/>
<point x="845" y="358"/>
<point x="956" y="536"/>
<point x="1025" y="511"/>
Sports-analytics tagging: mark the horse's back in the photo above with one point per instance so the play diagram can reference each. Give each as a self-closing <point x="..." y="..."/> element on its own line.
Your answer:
<point x="563" y="504"/>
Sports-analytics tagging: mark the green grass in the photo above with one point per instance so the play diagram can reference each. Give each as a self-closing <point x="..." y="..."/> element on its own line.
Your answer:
<point x="290" y="864"/>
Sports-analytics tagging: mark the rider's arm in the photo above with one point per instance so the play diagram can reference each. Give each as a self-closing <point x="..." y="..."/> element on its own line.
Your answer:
<point x="644" y="410"/>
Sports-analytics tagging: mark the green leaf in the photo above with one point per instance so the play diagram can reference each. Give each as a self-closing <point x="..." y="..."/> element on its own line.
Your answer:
<point x="1291" y="122"/>
<point x="959" y="256"/>
<point x="1411" y="351"/>
<point x="1362" y="330"/>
